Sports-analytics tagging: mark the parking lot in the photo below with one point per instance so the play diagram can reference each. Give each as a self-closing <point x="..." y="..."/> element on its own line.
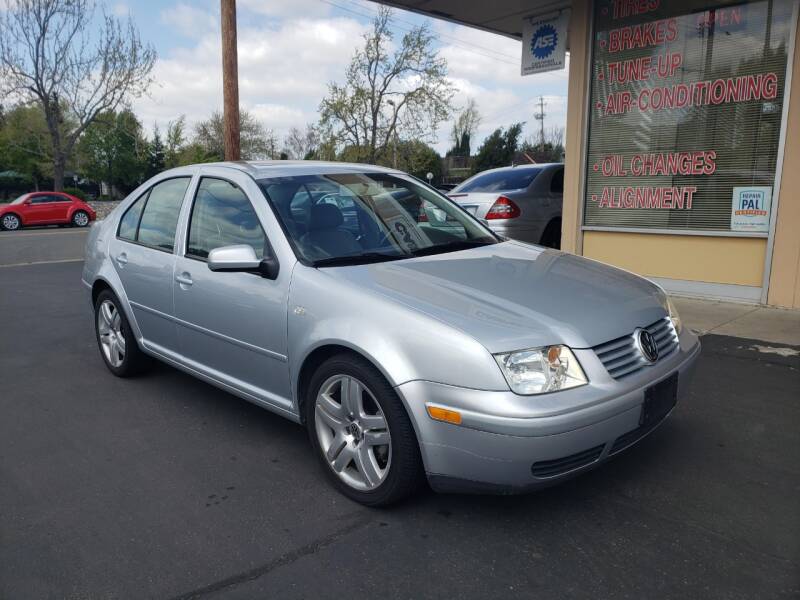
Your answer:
<point x="165" y="487"/>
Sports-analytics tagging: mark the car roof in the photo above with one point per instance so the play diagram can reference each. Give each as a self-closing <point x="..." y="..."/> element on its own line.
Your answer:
<point x="263" y="169"/>
<point x="522" y="167"/>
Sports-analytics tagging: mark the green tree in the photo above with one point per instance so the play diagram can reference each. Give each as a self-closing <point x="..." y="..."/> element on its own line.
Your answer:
<point x="74" y="64"/>
<point x="113" y="150"/>
<point x="418" y="159"/>
<point x="498" y="149"/>
<point x="388" y="93"/>
<point x="156" y="160"/>
<point x="175" y="141"/>
<point x="25" y="143"/>
<point x="464" y="128"/>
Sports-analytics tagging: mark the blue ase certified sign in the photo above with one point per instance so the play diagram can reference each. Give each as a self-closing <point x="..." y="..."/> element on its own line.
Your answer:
<point x="544" y="42"/>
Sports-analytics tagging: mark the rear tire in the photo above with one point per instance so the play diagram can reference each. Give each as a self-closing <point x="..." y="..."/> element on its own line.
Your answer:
<point x="11" y="222"/>
<point x="115" y="339"/>
<point x="80" y="218"/>
<point x="551" y="237"/>
<point x="370" y="453"/>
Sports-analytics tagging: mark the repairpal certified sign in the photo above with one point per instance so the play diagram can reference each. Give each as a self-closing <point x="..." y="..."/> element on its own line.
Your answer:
<point x="750" y="207"/>
<point x="544" y="42"/>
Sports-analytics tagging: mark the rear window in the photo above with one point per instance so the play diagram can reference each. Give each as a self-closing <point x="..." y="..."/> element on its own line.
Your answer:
<point x="499" y="181"/>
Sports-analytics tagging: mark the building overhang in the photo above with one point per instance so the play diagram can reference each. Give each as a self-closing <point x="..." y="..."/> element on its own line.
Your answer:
<point x="504" y="17"/>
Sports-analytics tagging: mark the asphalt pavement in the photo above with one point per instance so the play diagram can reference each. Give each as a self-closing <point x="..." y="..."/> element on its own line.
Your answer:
<point x="28" y="246"/>
<point x="165" y="487"/>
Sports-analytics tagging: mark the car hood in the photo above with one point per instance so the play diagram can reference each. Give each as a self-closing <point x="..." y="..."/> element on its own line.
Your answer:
<point x="511" y="296"/>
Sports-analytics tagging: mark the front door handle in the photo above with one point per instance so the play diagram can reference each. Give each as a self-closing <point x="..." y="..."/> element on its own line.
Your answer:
<point x="184" y="279"/>
<point x="122" y="259"/>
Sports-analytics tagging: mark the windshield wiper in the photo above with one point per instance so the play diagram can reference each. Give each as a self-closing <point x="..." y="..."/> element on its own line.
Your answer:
<point x="452" y="247"/>
<point x="357" y="259"/>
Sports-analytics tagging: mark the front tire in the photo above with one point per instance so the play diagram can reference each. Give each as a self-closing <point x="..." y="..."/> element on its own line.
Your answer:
<point x="11" y="222"/>
<point x="115" y="339"/>
<point x="361" y="432"/>
<point x="80" y="218"/>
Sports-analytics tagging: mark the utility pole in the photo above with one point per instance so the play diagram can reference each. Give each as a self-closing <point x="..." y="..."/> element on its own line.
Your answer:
<point x="540" y="118"/>
<point x="230" y="80"/>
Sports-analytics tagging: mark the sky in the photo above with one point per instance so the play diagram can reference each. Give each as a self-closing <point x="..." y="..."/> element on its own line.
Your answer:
<point x="290" y="50"/>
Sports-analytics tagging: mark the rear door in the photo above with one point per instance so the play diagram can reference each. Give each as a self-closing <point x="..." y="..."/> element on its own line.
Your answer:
<point x="143" y="255"/>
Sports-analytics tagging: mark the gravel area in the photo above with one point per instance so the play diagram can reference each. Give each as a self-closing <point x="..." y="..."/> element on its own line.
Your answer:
<point x="103" y="208"/>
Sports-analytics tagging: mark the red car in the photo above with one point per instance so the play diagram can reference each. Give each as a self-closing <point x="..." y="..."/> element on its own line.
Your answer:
<point x="46" y="208"/>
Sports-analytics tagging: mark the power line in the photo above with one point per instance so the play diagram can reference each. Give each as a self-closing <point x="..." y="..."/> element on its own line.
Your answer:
<point x="445" y="35"/>
<point x="463" y="45"/>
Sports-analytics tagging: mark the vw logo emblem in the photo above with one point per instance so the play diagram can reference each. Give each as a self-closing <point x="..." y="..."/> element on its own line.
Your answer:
<point x="647" y="345"/>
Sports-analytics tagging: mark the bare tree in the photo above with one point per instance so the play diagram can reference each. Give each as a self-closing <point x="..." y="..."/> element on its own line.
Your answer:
<point x="75" y="66"/>
<point x="298" y="144"/>
<point x="388" y="94"/>
<point x="257" y="142"/>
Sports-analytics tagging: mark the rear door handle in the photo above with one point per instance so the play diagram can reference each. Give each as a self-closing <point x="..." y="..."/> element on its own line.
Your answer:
<point x="122" y="259"/>
<point x="184" y="279"/>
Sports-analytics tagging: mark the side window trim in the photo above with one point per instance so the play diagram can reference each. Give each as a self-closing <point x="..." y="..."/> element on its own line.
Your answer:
<point x="141" y="214"/>
<point x="188" y="230"/>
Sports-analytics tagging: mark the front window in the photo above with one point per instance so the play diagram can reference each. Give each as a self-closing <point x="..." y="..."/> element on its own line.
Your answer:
<point x="349" y="218"/>
<point x="19" y="199"/>
<point x="503" y="180"/>
<point x="222" y="216"/>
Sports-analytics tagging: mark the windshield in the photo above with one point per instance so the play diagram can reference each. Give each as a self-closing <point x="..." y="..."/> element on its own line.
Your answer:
<point x="503" y="180"/>
<point x="19" y="200"/>
<point x="351" y="218"/>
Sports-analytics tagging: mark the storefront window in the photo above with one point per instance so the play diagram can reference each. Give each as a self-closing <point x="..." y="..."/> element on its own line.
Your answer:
<point x="685" y="114"/>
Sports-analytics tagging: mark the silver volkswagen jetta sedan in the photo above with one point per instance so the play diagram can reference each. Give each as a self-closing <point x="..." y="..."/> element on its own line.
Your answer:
<point x="402" y="332"/>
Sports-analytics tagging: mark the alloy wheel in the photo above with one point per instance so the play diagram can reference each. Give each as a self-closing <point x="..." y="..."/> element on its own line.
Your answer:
<point x="352" y="432"/>
<point x="11" y="222"/>
<point x="109" y="327"/>
<point x="81" y="219"/>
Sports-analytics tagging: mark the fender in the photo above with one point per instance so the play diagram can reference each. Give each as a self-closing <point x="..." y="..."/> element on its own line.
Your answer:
<point x="392" y="336"/>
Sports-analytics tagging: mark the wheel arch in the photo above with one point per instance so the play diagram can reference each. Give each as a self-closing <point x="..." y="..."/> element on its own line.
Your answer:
<point x="16" y="214"/>
<point x="319" y="355"/>
<point x="323" y="352"/>
<point x="100" y="283"/>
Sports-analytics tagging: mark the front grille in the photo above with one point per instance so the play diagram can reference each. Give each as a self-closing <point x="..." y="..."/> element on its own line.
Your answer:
<point x="622" y="357"/>
<point x="558" y="466"/>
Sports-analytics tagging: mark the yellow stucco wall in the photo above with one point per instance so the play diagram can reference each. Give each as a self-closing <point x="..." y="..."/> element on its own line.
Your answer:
<point x="577" y="122"/>
<point x="738" y="261"/>
<point x="784" y="281"/>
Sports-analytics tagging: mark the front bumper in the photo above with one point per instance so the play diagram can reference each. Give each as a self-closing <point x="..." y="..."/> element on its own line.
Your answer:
<point x="494" y="451"/>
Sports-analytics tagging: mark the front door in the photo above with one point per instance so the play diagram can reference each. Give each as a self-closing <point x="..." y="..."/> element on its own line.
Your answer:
<point x="231" y="325"/>
<point x="43" y="209"/>
<point x="143" y="255"/>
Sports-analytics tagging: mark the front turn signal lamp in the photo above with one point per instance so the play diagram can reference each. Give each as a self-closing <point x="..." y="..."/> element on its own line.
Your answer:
<point x="541" y="370"/>
<point x="437" y="413"/>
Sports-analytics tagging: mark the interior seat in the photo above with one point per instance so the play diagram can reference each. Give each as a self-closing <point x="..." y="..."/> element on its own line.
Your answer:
<point x="324" y="232"/>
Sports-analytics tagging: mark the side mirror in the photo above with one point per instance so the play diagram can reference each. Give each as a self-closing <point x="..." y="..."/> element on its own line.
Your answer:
<point x="28" y="201"/>
<point x="242" y="257"/>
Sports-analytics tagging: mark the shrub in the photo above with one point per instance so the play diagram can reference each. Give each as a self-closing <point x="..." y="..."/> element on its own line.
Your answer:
<point x="78" y="193"/>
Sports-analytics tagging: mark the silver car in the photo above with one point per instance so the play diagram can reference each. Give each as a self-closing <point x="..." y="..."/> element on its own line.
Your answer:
<point x="395" y="326"/>
<point x="521" y="203"/>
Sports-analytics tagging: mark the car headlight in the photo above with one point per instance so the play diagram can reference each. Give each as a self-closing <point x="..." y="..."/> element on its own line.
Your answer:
<point x="674" y="316"/>
<point x="541" y="370"/>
